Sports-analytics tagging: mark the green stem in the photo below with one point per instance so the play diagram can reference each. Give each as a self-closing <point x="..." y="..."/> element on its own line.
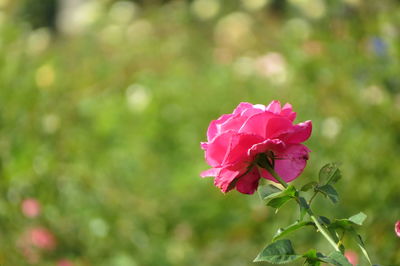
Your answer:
<point x="320" y="227"/>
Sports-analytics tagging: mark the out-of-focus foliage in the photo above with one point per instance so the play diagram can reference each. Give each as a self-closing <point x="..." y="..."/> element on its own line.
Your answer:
<point x="102" y="112"/>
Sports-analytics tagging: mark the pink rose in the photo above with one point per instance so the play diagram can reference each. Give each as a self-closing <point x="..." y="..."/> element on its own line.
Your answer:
<point x="42" y="238"/>
<point x="30" y="208"/>
<point x="352" y="257"/>
<point x="234" y="141"/>
<point x="397" y="228"/>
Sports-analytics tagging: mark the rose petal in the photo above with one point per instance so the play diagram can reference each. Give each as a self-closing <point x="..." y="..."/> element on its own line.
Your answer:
<point x="274" y="107"/>
<point x="225" y="177"/>
<point x="274" y="145"/>
<point x="287" y="111"/>
<point x="210" y="172"/>
<point x="239" y="146"/>
<point x="203" y="145"/>
<point x="257" y="124"/>
<point x="234" y="123"/>
<point x="298" y="133"/>
<point x="290" y="163"/>
<point x="276" y="126"/>
<point x="248" y="184"/>
<point x="242" y="107"/>
<point x="397" y="228"/>
<point x="217" y="148"/>
<point x="212" y="130"/>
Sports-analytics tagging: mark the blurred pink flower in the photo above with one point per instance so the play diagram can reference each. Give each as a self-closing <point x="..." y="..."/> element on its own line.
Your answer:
<point x="30" y="208"/>
<point x="397" y="228"/>
<point x="64" y="262"/>
<point x="42" y="238"/>
<point x="235" y="140"/>
<point x="352" y="257"/>
<point x="35" y="240"/>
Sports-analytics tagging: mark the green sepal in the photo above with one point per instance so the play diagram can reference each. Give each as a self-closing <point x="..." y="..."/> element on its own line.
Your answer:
<point x="278" y="252"/>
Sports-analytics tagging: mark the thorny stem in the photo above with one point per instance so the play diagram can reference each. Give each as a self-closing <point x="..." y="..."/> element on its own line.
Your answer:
<point x="320" y="227"/>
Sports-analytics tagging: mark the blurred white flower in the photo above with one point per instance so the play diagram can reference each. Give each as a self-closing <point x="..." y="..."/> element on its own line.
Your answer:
<point x="353" y="2"/>
<point x="138" y="97"/>
<point x="297" y="28"/>
<point x="40" y="165"/>
<point x="234" y="30"/>
<point x="273" y="66"/>
<point x="373" y="95"/>
<point x="314" y="9"/>
<point x="50" y="123"/>
<point x="205" y="9"/>
<point x="45" y="76"/>
<point x="254" y="5"/>
<point x="99" y="227"/>
<point x="397" y="101"/>
<point x="122" y="12"/>
<point x="3" y="3"/>
<point x="244" y="66"/>
<point x="139" y="30"/>
<point x="331" y="127"/>
<point x="112" y="34"/>
<point x="38" y="41"/>
<point x="3" y="17"/>
<point x="75" y="16"/>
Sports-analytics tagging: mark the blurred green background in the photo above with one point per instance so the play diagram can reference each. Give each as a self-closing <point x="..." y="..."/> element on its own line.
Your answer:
<point x="103" y="105"/>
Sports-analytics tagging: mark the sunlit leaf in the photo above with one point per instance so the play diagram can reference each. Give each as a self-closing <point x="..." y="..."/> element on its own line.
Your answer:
<point x="291" y="228"/>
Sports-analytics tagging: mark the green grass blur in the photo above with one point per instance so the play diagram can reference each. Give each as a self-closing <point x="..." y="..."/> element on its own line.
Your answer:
<point x="101" y="123"/>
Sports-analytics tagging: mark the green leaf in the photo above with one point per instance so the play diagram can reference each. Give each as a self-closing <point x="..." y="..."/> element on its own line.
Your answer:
<point x="309" y="186"/>
<point x="330" y="192"/>
<point x="347" y="224"/>
<point x="277" y="199"/>
<point x="279" y="252"/>
<point x="303" y="207"/>
<point x="329" y="174"/>
<point x="324" y="220"/>
<point x="312" y="258"/>
<point x="267" y="190"/>
<point x="289" y="191"/>
<point x="358" y="218"/>
<point x="336" y="258"/>
<point x="291" y="228"/>
<point x="278" y="202"/>
<point x="360" y="243"/>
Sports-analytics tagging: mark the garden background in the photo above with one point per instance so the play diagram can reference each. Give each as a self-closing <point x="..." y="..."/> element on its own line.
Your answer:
<point x="103" y="105"/>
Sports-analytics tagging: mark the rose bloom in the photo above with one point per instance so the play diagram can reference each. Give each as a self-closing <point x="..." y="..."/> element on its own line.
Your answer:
<point x="352" y="257"/>
<point x="30" y="208"/>
<point x="397" y="228"/>
<point x="234" y="141"/>
<point x="42" y="238"/>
